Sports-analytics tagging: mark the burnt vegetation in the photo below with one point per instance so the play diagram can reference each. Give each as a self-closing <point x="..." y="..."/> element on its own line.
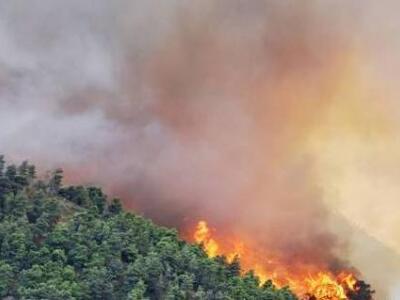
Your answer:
<point x="73" y="242"/>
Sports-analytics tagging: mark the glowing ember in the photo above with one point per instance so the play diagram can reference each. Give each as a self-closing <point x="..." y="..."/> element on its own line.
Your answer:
<point x="312" y="284"/>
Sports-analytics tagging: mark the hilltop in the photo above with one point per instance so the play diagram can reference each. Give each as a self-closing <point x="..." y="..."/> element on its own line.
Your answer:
<point x="72" y="242"/>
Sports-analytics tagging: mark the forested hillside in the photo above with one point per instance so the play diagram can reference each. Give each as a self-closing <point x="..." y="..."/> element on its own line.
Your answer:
<point x="71" y="242"/>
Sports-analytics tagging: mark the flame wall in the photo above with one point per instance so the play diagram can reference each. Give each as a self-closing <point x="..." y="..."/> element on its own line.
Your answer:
<point x="270" y="119"/>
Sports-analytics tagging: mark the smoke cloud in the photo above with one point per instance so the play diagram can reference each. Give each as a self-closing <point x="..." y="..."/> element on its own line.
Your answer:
<point x="267" y="118"/>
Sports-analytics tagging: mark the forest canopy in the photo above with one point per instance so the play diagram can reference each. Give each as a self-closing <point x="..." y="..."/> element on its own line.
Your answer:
<point x="72" y="242"/>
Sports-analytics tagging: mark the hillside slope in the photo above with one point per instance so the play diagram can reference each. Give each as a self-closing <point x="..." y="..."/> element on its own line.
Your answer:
<point x="72" y="243"/>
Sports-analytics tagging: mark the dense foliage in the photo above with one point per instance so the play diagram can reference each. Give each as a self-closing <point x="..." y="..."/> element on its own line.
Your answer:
<point x="72" y="243"/>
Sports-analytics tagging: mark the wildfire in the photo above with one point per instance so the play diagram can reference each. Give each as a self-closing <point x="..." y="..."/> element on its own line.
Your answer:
<point x="324" y="286"/>
<point x="203" y="235"/>
<point x="312" y="285"/>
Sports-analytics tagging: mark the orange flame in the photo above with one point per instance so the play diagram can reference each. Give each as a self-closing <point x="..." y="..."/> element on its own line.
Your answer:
<point x="203" y="236"/>
<point x="314" y="284"/>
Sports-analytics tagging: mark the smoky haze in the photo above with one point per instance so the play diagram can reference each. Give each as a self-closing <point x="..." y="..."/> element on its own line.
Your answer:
<point x="197" y="110"/>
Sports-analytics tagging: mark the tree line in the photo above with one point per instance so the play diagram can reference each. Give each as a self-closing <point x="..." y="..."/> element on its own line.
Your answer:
<point x="72" y="242"/>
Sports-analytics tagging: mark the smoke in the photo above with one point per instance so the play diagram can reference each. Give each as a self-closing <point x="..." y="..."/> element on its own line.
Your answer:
<point x="396" y="293"/>
<point x="266" y="118"/>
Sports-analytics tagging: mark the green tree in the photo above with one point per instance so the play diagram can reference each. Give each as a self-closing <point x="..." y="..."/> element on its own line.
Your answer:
<point x="6" y="279"/>
<point x="138" y="292"/>
<point x="56" y="181"/>
<point x="2" y="165"/>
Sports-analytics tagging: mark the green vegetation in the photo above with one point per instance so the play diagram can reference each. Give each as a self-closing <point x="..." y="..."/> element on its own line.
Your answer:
<point x="72" y="243"/>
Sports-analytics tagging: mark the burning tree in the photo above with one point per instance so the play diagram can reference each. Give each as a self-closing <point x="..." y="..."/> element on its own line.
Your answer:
<point x="310" y="284"/>
<point x="362" y="291"/>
